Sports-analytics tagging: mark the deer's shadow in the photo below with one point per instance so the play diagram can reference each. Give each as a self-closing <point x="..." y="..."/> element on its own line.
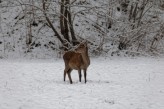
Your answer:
<point x="82" y="82"/>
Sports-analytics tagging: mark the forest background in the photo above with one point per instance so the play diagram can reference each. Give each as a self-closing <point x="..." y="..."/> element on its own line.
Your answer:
<point x="47" y="28"/>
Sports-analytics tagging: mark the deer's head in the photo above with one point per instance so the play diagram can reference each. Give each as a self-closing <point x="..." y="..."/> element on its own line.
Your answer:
<point x="82" y="47"/>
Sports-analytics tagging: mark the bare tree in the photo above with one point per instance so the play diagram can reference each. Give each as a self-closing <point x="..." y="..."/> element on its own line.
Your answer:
<point x="66" y="22"/>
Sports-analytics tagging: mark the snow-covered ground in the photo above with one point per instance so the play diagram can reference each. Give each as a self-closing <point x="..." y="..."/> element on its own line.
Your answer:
<point x="119" y="83"/>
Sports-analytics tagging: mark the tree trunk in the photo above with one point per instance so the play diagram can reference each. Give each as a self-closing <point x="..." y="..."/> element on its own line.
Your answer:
<point x="51" y="25"/>
<point x="66" y="25"/>
<point x="66" y="22"/>
<point x="66" y="30"/>
<point x="74" y="40"/>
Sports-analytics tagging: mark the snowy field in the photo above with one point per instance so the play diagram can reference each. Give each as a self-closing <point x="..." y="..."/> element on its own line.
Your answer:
<point x="122" y="83"/>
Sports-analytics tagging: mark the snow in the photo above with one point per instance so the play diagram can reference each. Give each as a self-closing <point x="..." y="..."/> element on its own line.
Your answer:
<point x="113" y="83"/>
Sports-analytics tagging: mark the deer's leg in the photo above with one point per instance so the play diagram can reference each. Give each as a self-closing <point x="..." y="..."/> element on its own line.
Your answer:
<point x="69" y="75"/>
<point x="65" y="72"/>
<point x="85" y="75"/>
<point x="79" y="71"/>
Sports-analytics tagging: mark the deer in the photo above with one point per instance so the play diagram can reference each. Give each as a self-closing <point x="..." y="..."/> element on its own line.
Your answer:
<point x="77" y="60"/>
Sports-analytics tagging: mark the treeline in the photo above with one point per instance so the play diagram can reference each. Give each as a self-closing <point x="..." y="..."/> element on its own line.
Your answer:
<point x="111" y="27"/>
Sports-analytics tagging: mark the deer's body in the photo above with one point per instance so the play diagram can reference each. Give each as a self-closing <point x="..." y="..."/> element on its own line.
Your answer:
<point x="78" y="60"/>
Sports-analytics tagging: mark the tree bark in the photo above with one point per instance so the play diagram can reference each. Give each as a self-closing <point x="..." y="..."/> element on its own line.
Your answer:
<point x="51" y="25"/>
<point x="66" y="30"/>
<point x="66" y="22"/>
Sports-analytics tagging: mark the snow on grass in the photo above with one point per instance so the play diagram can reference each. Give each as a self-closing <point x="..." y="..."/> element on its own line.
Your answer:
<point x="112" y="84"/>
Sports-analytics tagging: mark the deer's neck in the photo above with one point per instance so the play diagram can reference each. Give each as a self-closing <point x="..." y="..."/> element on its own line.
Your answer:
<point x="86" y="59"/>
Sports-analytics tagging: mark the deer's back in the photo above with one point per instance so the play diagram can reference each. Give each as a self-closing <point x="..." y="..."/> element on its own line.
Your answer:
<point x="73" y="60"/>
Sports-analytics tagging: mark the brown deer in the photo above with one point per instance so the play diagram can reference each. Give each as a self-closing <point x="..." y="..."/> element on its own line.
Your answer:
<point x="78" y="60"/>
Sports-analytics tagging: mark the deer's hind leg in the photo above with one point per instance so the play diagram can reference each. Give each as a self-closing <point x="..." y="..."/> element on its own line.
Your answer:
<point x="68" y="71"/>
<point x="65" y="72"/>
<point x="85" y="75"/>
<point x="69" y="75"/>
<point x="79" y="71"/>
